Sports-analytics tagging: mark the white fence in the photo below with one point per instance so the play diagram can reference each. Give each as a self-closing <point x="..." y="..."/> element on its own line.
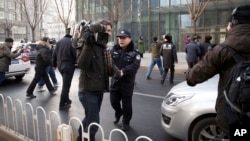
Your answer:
<point x="23" y="123"/>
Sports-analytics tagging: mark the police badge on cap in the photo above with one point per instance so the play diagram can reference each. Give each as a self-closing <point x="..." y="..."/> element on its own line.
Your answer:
<point x="123" y="33"/>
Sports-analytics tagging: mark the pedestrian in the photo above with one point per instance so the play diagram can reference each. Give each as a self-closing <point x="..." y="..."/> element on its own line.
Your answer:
<point x="220" y="60"/>
<point x="169" y="57"/>
<point x="5" y="57"/>
<point x="126" y="60"/>
<point x="192" y="51"/>
<point x="64" y="58"/>
<point x="49" y="71"/>
<point x="156" y="58"/>
<point x="206" y="45"/>
<point x="43" y="60"/>
<point x="187" y="40"/>
<point x="141" y="47"/>
<point x="93" y="80"/>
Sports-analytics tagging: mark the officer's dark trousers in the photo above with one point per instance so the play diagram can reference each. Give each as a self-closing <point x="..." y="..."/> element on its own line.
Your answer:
<point x="122" y="95"/>
<point x="40" y="72"/>
<point x="67" y="72"/>
<point x="171" y="76"/>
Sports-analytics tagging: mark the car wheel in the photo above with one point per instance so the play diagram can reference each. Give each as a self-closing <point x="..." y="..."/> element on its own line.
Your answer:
<point x="206" y="129"/>
<point x="19" y="77"/>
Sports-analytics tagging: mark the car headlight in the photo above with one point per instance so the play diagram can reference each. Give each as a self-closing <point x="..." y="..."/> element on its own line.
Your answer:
<point x="174" y="99"/>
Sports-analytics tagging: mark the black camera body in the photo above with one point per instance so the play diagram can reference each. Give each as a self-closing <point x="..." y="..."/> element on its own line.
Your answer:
<point x="99" y="30"/>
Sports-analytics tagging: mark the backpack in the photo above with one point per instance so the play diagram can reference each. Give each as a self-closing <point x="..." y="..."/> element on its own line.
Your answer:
<point x="237" y="91"/>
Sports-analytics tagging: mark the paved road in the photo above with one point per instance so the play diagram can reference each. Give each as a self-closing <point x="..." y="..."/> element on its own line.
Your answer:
<point x="146" y="102"/>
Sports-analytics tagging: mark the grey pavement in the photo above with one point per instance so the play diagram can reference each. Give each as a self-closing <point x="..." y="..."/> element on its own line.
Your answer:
<point x="180" y="67"/>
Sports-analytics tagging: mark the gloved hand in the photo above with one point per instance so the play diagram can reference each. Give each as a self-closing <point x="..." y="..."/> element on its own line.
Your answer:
<point x="116" y="72"/>
<point x="190" y="83"/>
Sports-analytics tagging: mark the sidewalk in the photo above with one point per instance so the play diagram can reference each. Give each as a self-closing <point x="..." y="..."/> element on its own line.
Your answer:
<point x="180" y="67"/>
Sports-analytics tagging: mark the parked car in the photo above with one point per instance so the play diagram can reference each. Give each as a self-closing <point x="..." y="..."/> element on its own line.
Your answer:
<point x="188" y="113"/>
<point x="31" y="48"/>
<point x="19" y="66"/>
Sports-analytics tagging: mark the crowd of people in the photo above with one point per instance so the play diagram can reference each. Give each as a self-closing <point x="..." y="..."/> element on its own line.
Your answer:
<point x="121" y="63"/>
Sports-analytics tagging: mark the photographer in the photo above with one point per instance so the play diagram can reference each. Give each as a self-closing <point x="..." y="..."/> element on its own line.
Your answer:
<point x="93" y="81"/>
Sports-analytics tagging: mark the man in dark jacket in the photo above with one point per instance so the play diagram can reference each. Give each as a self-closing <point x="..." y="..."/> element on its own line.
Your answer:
<point x="206" y="45"/>
<point x="126" y="61"/>
<point x="93" y="80"/>
<point x="43" y="60"/>
<point x="169" y="55"/>
<point x="192" y="51"/>
<point x="5" y="57"/>
<point x="220" y="61"/>
<point x="64" y="57"/>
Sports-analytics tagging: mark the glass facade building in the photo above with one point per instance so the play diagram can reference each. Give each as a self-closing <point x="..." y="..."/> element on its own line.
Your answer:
<point x="149" y="18"/>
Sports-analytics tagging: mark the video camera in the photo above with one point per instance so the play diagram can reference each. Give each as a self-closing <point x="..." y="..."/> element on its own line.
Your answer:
<point x="101" y="37"/>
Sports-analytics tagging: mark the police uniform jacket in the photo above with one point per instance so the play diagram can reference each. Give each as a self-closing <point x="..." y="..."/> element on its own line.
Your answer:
<point x="219" y="60"/>
<point x="128" y="60"/>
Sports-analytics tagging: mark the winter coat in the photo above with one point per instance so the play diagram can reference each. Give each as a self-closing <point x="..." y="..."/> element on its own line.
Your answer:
<point x="64" y="53"/>
<point x="205" y="46"/>
<point x="93" y="76"/>
<point x="43" y="56"/>
<point x="5" y="57"/>
<point x="155" y="50"/>
<point x="141" y="47"/>
<point x="193" y="52"/>
<point x="169" y="55"/>
<point x="219" y="61"/>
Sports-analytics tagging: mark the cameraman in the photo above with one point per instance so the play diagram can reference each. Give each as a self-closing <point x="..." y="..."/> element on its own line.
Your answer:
<point x="93" y="80"/>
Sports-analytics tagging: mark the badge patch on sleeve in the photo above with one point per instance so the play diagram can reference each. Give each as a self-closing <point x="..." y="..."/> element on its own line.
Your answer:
<point x="138" y="57"/>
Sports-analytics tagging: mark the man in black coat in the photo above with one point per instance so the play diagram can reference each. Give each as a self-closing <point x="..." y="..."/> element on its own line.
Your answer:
<point x="64" y="58"/>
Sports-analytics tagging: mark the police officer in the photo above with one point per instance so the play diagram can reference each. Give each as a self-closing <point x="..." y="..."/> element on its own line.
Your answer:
<point x="126" y="61"/>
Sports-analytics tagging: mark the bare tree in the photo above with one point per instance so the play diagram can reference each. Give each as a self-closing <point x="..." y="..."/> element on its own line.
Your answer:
<point x="195" y="9"/>
<point x="33" y="11"/>
<point x="115" y="11"/>
<point x="64" y="14"/>
<point x="7" y="24"/>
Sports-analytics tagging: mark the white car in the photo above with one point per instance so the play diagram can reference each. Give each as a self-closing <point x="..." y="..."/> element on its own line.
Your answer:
<point x="188" y="113"/>
<point x="19" y="66"/>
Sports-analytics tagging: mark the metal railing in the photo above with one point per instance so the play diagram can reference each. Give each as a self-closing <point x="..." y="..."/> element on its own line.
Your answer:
<point x="25" y="124"/>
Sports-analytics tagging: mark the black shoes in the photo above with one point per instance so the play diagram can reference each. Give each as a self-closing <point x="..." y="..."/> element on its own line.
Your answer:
<point x="30" y="95"/>
<point x="117" y="118"/>
<point x="53" y="91"/>
<point x="125" y="127"/>
<point x="149" y="78"/>
<point x="162" y="82"/>
<point x="65" y="105"/>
